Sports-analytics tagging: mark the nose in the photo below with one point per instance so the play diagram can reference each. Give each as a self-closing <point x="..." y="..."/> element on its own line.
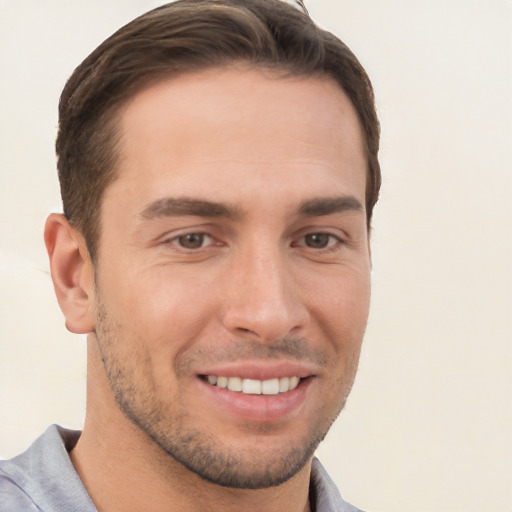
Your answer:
<point x="262" y="297"/>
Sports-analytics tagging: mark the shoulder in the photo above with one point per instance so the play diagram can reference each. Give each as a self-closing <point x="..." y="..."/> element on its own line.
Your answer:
<point x="327" y="495"/>
<point x="43" y="478"/>
<point x="12" y="497"/>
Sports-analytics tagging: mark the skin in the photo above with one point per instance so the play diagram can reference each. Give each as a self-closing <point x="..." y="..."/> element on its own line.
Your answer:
<point x="274" y="281"/>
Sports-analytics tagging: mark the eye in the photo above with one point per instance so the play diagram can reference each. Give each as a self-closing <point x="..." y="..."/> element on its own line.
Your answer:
<point x="192" y="240"/>
<point x="319" y="240"/>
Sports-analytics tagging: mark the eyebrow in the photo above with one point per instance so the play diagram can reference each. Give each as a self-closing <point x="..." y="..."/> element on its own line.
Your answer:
<point x="182" y="206"/>
<point x="326" y="206"/>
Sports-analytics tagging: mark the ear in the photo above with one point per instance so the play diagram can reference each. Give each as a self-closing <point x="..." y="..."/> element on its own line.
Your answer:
<point x="72" y="273"/>
<point x="370" y="247"/>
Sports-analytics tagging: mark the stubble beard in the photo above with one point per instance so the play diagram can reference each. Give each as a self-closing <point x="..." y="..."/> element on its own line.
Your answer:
<point x="199" y="451"/>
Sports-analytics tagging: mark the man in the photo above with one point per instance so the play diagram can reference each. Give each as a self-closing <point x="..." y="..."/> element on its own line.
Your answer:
<point x="218" y="168"/>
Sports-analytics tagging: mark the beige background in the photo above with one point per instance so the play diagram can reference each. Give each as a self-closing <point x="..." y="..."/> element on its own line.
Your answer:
<point x="429" y="424"/>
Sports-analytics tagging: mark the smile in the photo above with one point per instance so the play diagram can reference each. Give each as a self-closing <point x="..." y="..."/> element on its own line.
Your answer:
<point x="254" y="387"/>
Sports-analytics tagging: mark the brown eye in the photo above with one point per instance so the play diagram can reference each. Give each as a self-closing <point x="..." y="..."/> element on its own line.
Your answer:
<point x="317" y="240"/>
<point x="192" y="240"/>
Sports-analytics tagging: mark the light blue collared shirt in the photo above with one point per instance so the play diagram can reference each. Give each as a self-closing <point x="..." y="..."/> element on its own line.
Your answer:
<point x="43" y="479"/>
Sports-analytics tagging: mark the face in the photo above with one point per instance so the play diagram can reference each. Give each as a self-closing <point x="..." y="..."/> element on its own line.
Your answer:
<point x="232" y="280"/>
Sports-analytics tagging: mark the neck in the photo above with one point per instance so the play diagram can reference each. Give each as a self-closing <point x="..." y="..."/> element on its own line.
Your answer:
<point x="124" y="470"/>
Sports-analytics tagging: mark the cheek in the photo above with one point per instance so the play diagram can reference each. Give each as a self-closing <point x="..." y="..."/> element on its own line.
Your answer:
<point x="158" y="295"/>
<point x="341" y="317"/>
<point x="162" y="309"/>
<point x="340" y="309"/>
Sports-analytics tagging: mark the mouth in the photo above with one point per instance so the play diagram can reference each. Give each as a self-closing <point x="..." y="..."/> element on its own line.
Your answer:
<point x="257" y="393"/>
<point x="245" y="386"/>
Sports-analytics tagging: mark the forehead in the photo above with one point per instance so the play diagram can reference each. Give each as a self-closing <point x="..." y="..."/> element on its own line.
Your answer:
<point x="228" y="123"/>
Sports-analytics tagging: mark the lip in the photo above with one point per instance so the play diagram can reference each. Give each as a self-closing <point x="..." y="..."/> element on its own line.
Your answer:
<point x="257" y="408"/>
<point x="258" y="371"/>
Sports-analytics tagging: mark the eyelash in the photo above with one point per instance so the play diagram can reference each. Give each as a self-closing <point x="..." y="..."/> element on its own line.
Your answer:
<point x="333" y="243"/>
<point x="202" y="235"/>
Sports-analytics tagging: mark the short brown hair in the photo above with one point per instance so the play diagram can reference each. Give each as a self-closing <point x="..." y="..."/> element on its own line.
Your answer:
<point x="184" y="36"/>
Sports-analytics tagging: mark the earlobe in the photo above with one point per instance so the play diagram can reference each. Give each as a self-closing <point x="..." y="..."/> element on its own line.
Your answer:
<point x="72" y="273"/>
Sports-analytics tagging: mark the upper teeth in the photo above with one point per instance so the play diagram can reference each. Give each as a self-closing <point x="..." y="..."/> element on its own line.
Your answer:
<point x="255" y="387"/>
